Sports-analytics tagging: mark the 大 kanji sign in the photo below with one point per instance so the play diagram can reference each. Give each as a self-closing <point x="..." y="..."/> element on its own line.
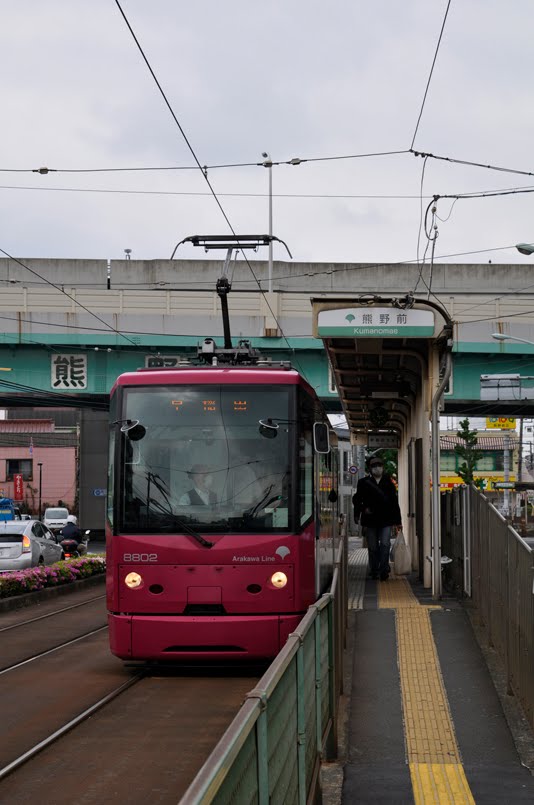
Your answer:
<point x="68" y="371"/>
<point x="375" y="322"/>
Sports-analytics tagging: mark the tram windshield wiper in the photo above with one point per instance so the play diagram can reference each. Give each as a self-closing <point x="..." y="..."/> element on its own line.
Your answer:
<point x="184" y="526"/>
<point x="191" y="531"/>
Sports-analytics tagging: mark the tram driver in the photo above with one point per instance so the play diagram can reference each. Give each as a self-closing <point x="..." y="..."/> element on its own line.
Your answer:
<point x="201" y="493"/>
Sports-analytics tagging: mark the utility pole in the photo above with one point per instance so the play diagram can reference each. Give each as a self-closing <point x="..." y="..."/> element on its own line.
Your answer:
<point x="40" y="465"/>
<point x="506" y="500"/>
<point x="520" y="459"/>
<point x="268" y="163"/>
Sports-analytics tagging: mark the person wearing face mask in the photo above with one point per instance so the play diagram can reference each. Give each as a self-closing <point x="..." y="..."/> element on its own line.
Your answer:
<point x="201" y="493"/>
<point x="377" y="507"/>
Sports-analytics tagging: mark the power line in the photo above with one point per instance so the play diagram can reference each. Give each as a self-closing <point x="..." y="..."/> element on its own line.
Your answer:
<point x="496" y="318"/>
<point x="420" y="226"/>
<point x="44" y="171"/>
<point x="431" y="72"/>
<point x="496" y="298"/>
<point x="204" y="173"/>
<point x="393" y="196"/>
<point x="53" y="398"/>
<point x="293" y="161"/>
<point x="171" y="110"/>
<point x="205" y="168"/>
<point x="72" y="298"/>
<point x="206" y="194"/>
<point x="426" y="154"/>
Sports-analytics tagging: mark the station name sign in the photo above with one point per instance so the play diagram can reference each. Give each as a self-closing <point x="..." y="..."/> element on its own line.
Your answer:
<point x="378" y="439"/>
<point x="375" y="322"/>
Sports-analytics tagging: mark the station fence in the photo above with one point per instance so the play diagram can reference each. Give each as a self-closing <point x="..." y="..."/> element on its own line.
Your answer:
<point x="272" y="750"/>
<point x="493" y="566"/>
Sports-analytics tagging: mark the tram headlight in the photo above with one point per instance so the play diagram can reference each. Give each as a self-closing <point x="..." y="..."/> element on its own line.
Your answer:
<point x="279" y="579"/>
<point x="133" y="580"/>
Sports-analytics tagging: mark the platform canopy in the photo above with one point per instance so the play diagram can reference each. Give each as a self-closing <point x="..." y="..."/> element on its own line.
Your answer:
<point x="380" y="350"/>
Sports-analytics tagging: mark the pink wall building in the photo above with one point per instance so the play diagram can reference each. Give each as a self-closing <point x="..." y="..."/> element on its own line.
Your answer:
<point x="24" y="444"/>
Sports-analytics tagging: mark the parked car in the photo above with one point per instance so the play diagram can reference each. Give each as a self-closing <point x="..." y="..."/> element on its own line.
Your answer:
<point x="27" y="543"/>
<point x="55" y="518"/>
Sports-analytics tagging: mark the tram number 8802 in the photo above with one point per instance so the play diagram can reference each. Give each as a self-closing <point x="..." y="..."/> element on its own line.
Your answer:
<point x="140" y="557"/>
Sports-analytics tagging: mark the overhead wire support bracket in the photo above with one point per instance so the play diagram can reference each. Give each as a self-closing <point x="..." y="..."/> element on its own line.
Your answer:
<point x="231" y="242"/>
<point x="208" y="351"/>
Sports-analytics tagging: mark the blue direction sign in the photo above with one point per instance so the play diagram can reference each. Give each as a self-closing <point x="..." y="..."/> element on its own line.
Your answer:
<point x="99" y="493"/>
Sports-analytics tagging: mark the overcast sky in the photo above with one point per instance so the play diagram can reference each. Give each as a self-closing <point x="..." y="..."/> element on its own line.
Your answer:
<point x="294" y="78"/>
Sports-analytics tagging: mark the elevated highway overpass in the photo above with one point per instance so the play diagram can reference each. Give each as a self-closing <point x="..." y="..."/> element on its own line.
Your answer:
<point x="167" y="307"/>
<point x="71" y="327"/>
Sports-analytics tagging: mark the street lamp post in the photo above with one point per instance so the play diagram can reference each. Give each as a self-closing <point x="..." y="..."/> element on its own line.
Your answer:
<point x="505" y="337"/>
<point x="268" y="163"/>
<point x="525" y="248"/>
<point x="40" y="465"/>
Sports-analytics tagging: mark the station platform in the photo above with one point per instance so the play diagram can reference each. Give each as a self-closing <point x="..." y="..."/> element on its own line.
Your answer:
<point x="424" y="720"/>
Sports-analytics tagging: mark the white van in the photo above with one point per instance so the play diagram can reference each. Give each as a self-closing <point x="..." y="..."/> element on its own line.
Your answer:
<point x="55" y="518"/>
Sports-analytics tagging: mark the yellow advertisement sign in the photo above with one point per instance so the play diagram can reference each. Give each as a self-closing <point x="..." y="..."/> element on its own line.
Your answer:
<point x="500" y="422"/>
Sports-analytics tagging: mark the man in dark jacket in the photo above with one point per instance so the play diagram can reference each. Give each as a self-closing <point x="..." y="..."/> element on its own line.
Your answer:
<point x="71" y="531"/>
<point x="376" y="502"/>
<point x="201" y="493"/>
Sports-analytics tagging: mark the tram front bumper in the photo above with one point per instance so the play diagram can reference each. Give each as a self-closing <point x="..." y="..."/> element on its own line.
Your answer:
<point x="178" y="637"/>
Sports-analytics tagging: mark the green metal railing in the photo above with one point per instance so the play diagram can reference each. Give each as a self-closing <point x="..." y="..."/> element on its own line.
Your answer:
<point x="272" y="750"/>
<point x="498" y="578"/>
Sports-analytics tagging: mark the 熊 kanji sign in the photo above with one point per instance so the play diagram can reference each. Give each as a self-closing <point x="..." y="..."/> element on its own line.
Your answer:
<point x="68" y="371"/>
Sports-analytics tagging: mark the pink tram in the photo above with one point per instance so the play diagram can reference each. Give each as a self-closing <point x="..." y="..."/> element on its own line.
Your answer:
<point x="222" y="511"/>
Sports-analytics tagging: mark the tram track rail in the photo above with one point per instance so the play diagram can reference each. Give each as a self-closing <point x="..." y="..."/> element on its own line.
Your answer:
<point x="146" y="736"/>
<point x="57" y="734"/>
<point x="26" y="640"/>
<point x="50" y="651"/>
<point x="73" y="712"/>
<point x="51" y="614"/>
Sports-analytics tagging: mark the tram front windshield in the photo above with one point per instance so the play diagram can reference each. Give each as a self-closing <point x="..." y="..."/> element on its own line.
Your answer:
<point x="204" y="461"/>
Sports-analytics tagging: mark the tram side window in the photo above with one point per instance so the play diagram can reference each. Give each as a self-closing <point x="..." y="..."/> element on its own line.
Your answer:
<point x="306" y="476"/>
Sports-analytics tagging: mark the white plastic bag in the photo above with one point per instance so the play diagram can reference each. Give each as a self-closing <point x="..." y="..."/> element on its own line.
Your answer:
<point x="402" y="563"/>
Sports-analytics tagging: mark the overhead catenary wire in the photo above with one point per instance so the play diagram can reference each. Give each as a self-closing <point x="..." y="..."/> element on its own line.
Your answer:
<point x="204" y="172"/>
<point x="192" y="193"/>
<point x="53" y="398"/>
<point x="420" y="226"/>
<point x="431" y="73"/>
<point x="72" y="298"/>
<point x="205" y="168"/>
<point x="290" y="162"/>
<point x="469" y="163"/>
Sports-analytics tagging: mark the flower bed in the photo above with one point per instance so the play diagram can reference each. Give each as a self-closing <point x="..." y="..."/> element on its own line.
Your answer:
<point x="37" y="578"/>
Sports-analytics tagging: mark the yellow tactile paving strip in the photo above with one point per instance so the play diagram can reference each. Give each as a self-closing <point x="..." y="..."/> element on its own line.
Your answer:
<point x="395" y="594"/>
<point x="436" y="769"/>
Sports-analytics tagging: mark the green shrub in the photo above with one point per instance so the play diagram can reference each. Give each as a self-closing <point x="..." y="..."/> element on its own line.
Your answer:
<point x="19" y="582"/>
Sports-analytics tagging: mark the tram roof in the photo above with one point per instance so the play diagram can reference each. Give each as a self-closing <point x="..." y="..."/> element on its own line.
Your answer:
<point x="208" y="375"/>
